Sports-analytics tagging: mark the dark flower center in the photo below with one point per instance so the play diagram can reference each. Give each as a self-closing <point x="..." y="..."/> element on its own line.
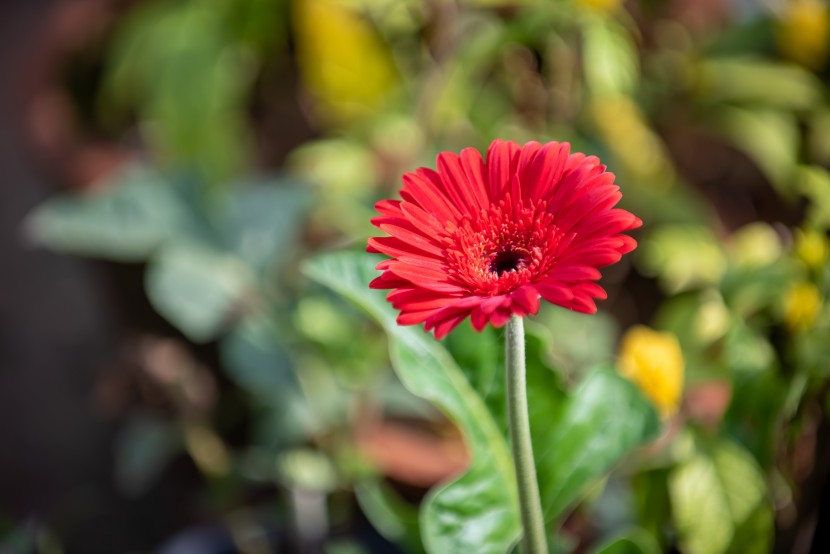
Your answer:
<point x="508" y="260"/>
<point x="502" y="248"/>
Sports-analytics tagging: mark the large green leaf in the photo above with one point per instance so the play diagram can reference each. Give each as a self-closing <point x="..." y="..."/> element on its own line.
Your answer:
<point x="603" y="419"/>
<point x="476" y="512"/>
<point x="719" y="502"/>
<point x="126" y="221"/>
<point x="262" y="219"/>
<point x="197" y="288"/>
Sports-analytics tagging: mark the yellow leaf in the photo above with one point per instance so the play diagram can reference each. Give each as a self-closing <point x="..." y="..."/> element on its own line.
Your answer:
<point x="343" y="63"/>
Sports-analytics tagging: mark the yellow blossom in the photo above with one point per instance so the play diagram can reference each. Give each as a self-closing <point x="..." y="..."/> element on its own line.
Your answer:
<point x="653" y="361"/>
<point x="803" y="31"/>
<point x="601" y="6"/>
<point x="344" y="64"/>
<point x="802" y="304"/>
<point x="812" y="248"/>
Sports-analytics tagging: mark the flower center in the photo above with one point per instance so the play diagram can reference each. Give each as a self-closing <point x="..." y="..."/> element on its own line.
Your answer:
<point x="508" y="260"/>
<point x="502" y="248"/>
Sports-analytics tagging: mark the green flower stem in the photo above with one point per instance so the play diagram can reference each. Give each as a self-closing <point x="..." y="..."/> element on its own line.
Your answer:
<point x="530" y="505"/>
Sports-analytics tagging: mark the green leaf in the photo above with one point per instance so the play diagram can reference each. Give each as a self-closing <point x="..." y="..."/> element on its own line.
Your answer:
<point x="143" y="449"/>
<point x="476" y="512"/>
<point x="480" y="357"/>
<point x="746" y="80"/>
<point x="611" y="60"/>
<point x="603" y="419"/>
<point x="178" y="67"/>
<point x="197" y="288"/>
<point x="813" y="182"/>
<point x="578" y="341"/>
<point x="393" y="517"/>
<point x="719" y="502"/>
<point x="125" y="221"/>
<point x="759" y="401"/>
<point x="633" y="541"/>
<point x="770" y="137"/>
<point x="683" y="257"/>
<point x="256" y="361"/>
<point x="652" y="503"/>
<point x="747" y="349"/>
<point x="545" y="391"/>
<point x="262" y="219"/>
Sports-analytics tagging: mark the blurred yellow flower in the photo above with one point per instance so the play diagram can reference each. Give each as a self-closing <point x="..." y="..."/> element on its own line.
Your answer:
<point x="802" y="304"/>
<point x="653" y="361"/>
<point x="602" y="6"/>
<point x="812" y="248"/>
<point x="803" y="31"/>
<point x="343" y="62"/>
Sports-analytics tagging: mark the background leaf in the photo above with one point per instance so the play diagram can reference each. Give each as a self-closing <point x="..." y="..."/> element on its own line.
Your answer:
<point x="197" y="288"/>
<point x="717" y="495"/>
<point x="256" y="361"/>
<point x="394" y="518"/>
<point x="611" y="64"/>
<point x="634" y="541"/>
<point x="126" y="220"/>
<point x="143" y="449"/>
<point x="261" y="220"/>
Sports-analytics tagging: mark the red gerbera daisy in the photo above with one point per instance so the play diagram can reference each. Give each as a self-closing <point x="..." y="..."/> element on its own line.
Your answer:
<point x="488" y="239"/>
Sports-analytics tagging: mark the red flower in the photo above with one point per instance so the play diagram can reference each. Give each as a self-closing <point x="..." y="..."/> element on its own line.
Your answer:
<point x="488" y="239"/>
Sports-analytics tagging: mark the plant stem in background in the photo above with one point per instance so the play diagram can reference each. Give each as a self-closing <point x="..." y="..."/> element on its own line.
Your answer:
<point x="530" y="505"/>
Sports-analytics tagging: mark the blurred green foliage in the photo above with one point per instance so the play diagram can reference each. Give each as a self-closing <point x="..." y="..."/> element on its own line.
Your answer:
<point x="715" y="121"/>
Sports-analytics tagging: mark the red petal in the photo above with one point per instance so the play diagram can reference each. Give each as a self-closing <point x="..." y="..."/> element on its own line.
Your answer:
<point x="499" y="318"/>
<point x="519" y="187"/>
<point x="423" y="193"/>
<point x="421" y="219"/>
<point x="393" y="246"/>
<point x="414" y="238"/>
<point x="474" y="169"/>
<point x="528" y="298"/>
<point x="575" y="273"/>
<point x="452" y="175"/>
<point x="389" y="207"/>
<point x="555" y="293"/>
<point x="502" y="158"/>
<point x="546" y="170"/>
